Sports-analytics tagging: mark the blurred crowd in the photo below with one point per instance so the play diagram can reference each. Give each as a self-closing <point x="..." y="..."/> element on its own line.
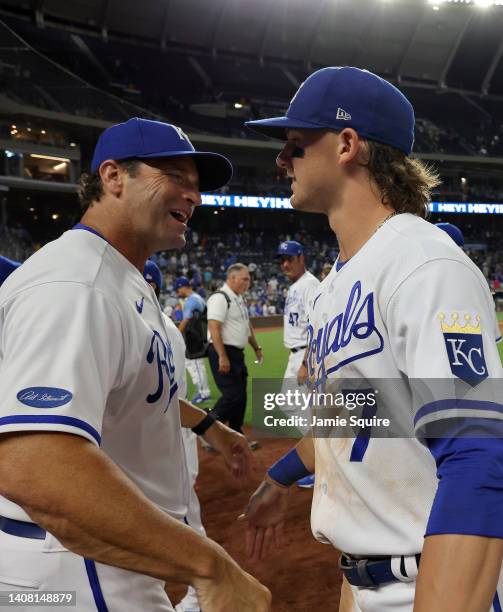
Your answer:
<point x="205" y="259"/>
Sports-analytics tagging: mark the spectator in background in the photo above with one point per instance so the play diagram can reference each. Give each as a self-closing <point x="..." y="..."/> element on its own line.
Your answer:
<point x="229" y="331"/>
<point x="325" y="271"/>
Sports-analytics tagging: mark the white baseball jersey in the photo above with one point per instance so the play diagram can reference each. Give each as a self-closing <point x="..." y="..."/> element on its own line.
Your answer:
<point x="392" y="312"/>
<point x="234" y="317"/>
<point x="84" y="349"/>
<point x="178" y="344"/>
<point x="298" y="303"/>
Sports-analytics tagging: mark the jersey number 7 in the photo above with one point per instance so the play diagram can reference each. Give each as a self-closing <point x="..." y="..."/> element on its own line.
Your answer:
<point x="362" y="439"/>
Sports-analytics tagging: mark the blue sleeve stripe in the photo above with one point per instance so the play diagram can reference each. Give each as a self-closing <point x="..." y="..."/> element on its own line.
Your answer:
<point x="498" y="339"/>
<point x="497" y="604"/>
<point x="457" y="404"/>
<point x="56" y="419"/>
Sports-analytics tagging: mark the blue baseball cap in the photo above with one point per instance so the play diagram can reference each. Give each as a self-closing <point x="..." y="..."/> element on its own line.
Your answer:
<point x="7" y="267"/>
<point x="143" y="138"/>
<point x="454" y="232"/>
<point x="182" y="281"/>
<point x="152" y="273"/>
<point x="290" y="247"/>
<point x="342" y="96"/>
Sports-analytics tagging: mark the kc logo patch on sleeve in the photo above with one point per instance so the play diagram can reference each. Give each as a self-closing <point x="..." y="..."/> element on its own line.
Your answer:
<point x="465" y="349"/>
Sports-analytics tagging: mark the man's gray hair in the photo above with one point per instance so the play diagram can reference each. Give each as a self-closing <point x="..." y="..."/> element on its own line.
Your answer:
<point x="236" y="269"/>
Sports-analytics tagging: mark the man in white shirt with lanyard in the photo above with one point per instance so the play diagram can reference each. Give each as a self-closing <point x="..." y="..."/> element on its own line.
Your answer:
<point x="93" y="478"/>
<point x="229" y="331"/>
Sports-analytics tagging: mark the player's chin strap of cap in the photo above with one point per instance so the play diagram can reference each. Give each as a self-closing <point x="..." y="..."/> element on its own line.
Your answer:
<point x="374" y="571"/>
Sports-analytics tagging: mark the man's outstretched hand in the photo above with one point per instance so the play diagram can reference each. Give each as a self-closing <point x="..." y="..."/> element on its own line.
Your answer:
<point x="265" y="519"/>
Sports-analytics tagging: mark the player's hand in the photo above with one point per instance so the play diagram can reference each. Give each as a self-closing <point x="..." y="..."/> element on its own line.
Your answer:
<point x="265" y="517"/>
<point x="234" y="589"/>
<point x="224" y="365"/>
<point x="260" y="356"/>
<point x="302" y="375"/>
<point x="233" y="447"/>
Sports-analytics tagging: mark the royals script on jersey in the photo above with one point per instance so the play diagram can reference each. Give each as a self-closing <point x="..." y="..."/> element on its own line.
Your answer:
<point x="84" y="350"/>
<point x="393" y="312"/>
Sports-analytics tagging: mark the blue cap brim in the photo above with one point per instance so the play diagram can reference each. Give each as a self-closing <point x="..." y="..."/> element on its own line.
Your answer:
<point x="214" y="170"/>
<point x="276" y="126"/>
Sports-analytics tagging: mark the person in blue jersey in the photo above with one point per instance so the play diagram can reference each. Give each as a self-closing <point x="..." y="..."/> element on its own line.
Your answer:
<point x="193" y="306"/>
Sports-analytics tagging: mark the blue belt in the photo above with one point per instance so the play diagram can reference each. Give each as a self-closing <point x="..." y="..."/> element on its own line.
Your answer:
<point x="21" y="529"/>
<point x="371" y="571"/>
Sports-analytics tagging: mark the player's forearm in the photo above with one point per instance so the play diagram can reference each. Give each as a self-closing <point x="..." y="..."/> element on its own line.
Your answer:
<point x="252" y="340"/>
<point x="183" y="325"/>
<point x="458" y="573"/>
<point x="190" y="415"/>
<point x="305" y="449"/>
<point x="215" y="328"/>
<point x="97" y="512"/>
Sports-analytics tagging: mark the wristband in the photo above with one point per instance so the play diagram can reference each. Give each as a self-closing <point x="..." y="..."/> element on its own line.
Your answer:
<point x="288" y="469"/>
<point x="202" y="427"/>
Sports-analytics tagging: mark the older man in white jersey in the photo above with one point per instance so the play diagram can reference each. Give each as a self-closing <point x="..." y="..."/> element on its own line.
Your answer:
<point x="298" y="303"/>
<point x="93" y="477"/>
<point x="418" y="517"/>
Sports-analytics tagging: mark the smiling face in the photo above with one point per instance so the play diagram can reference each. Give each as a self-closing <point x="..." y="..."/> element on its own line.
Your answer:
<point x="309" y="159"/>
<point x="160" y="199"/>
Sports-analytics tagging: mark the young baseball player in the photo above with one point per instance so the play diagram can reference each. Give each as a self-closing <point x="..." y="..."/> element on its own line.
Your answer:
<point x="417" y="518"/>
<point x="298" y="303"/>
<point x="93" y="477"/>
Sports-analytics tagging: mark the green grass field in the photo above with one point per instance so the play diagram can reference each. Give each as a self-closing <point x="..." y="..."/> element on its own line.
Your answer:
<point x="275" y="358"/>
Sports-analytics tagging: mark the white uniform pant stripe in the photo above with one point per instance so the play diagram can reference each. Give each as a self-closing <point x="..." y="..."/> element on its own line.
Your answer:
<point x="197" y="371"/>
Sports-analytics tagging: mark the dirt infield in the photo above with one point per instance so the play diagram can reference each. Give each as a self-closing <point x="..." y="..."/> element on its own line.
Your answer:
<point x="304" y="576"/>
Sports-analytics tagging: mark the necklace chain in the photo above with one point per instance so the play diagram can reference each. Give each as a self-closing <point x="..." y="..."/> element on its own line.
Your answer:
<point x="395" y="212"/>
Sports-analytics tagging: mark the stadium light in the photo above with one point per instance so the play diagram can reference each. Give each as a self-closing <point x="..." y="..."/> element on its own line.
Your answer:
<point x="55" y="216"/>
<point x="238" y="105"/>
<point x="51" y="157"/>
<point x="435" y="4"/>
